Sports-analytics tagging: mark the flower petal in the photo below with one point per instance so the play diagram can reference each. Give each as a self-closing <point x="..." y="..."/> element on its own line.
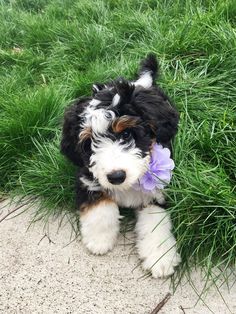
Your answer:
<point x="159" y="174"/>
<point x="148" y="181"/>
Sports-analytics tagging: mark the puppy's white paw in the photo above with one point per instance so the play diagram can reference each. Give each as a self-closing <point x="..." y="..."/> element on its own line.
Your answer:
<point x="156" y="244"/>
<point x="101" y="242"/>
<point x="159" y="259"/>
<point x="99" y="227"/>
<point x="161" y="266"/>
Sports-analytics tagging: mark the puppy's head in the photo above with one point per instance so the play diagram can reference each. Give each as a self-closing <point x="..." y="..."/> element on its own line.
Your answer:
<point x="112" y="133"/>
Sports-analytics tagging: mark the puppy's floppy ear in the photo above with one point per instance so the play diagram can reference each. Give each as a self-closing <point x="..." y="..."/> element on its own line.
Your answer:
<point x="148" y="71"/>
<point x="156" y="110"/>
<point x="167" y="127"/>
<point x="70" y="132"/>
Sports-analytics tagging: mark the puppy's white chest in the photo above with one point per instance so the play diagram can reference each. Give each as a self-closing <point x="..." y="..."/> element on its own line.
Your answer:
<point x="133" y="198"/>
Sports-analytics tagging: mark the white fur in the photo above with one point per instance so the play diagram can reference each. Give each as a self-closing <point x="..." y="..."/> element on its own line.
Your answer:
<point x="155" y="243"/>
<point x="100" y="227"/>
<point x="100" y="120"/>
<point x="145" y="80"/>
<point x="109" y="156"/>
<point x="97" y="119"/>
<point x="115" y="100"/>
<point x="136" y="198"/>
<point x="95" y="87"/>
<point x="91" y="185"/>
<point x="94" y="103"/>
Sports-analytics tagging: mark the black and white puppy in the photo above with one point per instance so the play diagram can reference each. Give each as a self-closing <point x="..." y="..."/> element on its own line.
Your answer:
<point x="109" y="137"/>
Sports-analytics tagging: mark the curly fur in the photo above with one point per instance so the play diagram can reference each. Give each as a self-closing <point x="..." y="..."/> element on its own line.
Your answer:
<point x="109" y="136"/>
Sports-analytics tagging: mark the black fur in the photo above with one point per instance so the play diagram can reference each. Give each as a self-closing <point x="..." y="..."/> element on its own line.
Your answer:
<point x="125" y="89"/>
<point x="156" y="110"/>
<point x="150" y="64"/>
<point x="70" y="146"/>
<point x="83" y="196"/>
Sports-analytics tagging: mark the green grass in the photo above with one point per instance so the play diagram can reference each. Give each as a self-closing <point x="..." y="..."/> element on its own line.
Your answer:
<point x="51" y="51"/>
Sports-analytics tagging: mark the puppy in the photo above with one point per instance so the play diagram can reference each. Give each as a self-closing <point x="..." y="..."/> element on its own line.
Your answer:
<point x="114" y="138"/>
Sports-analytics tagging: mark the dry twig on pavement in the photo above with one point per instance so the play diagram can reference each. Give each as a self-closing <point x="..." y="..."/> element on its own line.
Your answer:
<point x="161" y="304"/>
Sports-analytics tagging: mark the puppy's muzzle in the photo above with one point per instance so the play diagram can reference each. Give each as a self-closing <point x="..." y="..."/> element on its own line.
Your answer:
<point x="116" y="177"/>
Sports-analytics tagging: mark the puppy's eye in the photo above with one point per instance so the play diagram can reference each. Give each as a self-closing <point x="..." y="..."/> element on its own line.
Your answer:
<point x="126" y="135"/>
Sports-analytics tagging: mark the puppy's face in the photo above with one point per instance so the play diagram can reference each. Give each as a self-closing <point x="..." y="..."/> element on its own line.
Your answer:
<point x="119" y="153"/>
<point x="116" y="129"/>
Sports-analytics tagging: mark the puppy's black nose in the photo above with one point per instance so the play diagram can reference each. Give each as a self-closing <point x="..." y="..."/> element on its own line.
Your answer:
<point x="116" y="177"/>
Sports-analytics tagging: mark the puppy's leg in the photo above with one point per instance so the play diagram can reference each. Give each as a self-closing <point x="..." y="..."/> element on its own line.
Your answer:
<point x="99" y="226"/>
<point x="155" y="243"/>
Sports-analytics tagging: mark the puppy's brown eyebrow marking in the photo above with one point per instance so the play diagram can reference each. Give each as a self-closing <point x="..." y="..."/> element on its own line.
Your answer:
<point x="85" y="134"/>
<point x="124" y="122"/>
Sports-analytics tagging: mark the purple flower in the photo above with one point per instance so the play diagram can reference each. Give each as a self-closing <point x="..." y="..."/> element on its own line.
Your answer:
<point x="160" y="170"/>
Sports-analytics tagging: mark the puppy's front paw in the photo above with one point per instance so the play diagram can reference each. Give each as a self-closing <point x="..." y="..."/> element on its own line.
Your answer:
<point x="158" y="258"/>
<point x="101" y="242"/>
<point x="155" y="243"/>
<point x="99" y="227"/>
<point x="162" y="265"/>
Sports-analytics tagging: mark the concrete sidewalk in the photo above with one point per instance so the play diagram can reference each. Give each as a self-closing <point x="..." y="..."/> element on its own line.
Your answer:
<point x="38" y="275"/>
